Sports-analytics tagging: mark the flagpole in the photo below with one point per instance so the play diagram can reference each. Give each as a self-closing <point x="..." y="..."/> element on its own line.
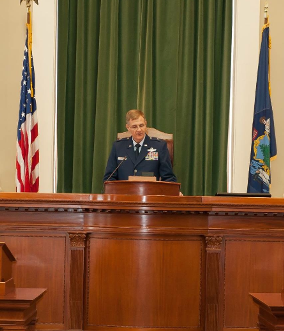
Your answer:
<point x="266" y="13"/>
<point x="29" y="27"/>
<point x="266" y="23"/>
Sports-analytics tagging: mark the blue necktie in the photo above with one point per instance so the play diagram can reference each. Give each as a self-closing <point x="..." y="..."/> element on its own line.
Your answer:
<point x="137" y="146"/>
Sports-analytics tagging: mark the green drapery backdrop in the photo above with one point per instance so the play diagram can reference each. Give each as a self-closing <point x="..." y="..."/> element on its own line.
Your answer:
<point x="170" y="59"/>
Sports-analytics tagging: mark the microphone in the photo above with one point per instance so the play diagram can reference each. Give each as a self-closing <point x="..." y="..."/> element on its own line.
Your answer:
<point x="125" y="158"/>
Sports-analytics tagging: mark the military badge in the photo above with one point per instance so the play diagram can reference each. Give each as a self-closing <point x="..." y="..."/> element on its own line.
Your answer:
<point x="152" y="155"/>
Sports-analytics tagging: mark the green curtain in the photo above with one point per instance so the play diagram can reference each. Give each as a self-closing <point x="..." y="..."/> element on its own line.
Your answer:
<point x="170" y="59"/>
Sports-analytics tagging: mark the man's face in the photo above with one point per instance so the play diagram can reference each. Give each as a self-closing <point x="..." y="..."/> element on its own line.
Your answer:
<point x="137" y="128"/>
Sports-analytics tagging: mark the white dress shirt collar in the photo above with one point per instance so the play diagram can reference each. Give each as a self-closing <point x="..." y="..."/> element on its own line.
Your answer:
<point x="141" y="142"/>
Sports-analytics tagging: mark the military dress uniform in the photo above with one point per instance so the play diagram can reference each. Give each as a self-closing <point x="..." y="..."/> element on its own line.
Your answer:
<point x="154" y="157"/>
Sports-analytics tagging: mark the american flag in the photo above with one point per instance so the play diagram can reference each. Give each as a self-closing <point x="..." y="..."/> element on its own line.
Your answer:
<point x="27" y="161"/>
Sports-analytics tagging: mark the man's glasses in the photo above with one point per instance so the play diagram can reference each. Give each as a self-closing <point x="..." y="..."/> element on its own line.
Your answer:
<point x="136" y="127"/>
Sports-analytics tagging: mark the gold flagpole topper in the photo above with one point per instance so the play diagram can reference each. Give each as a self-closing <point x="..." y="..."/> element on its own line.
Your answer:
<point x="29" y="2"/>
<point x="265" y="13"/>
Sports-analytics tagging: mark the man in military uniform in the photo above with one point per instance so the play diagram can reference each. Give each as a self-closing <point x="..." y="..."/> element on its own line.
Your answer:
<point x="139" y="153"/>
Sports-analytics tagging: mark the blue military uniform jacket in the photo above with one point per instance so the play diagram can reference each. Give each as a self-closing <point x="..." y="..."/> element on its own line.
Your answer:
<point x="154" y="157"/>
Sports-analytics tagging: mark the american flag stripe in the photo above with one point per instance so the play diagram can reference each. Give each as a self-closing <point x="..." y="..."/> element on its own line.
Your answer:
<point x="19" y="182"/>
<point x="34" y="133"/>
<point x="27" y="161"/>
<point x="35" y="160"/>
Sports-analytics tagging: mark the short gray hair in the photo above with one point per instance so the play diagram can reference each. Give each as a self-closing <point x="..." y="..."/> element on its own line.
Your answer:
<point x="134" y="114"/>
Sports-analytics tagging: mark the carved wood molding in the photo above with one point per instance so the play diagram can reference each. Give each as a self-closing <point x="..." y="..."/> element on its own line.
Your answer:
<point x="142" y="209"/>
<point x="246" y="213"/>
<point x="98" y="203"/>
<point x="106" y="210"/>
<point x="77" y="239"/>
<point x="213" y="243"/>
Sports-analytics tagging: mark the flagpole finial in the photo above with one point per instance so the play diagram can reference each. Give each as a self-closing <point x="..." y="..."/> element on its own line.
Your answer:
<point x="265" y="12"/>
<point x="29" y="2"/>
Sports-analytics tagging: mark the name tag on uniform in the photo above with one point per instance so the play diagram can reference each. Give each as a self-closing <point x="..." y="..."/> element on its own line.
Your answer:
<point x="152" y="155"/>
<point x="120" y="158"/>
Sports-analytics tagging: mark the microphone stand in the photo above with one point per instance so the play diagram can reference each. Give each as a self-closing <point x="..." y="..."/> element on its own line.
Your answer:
<point x="125" y="158"/>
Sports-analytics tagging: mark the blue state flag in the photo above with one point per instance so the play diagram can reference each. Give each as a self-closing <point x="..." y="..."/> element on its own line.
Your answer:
<point x="263" y="147"/>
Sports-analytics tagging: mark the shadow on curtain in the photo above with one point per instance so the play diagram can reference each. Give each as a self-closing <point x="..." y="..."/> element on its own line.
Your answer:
<point x="170" y="59"/>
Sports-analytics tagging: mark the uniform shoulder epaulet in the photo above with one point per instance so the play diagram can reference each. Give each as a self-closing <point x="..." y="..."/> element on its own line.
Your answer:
<point x="123" y="139"/>
<point x="155" y="138"/>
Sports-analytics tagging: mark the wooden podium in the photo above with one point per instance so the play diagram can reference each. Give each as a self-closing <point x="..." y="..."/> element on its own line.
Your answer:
<point x="6" y="280"/>
<point x="142" y="187"/>
<point x="17" y="305"/>
<point x="18" y="309"/>
<point x="271" y="310"/>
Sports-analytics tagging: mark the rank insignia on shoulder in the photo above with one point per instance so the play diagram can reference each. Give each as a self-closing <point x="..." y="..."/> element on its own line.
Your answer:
<point x="123" y="139"/>
<point x="118" y="140"/>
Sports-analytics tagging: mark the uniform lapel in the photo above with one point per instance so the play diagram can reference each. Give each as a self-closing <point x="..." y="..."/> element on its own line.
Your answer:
<point x="130" y="151"/>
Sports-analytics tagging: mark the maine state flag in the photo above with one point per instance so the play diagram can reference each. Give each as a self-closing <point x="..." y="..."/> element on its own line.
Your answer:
<point x="263" y="146"/>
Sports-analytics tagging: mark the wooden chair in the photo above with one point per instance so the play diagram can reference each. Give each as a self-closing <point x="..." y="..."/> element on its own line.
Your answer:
<point x="151" y="132"/>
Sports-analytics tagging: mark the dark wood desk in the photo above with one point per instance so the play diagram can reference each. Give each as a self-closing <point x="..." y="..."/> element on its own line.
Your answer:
<point x="118" y="262"/>
<point x="271" y="311"/>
